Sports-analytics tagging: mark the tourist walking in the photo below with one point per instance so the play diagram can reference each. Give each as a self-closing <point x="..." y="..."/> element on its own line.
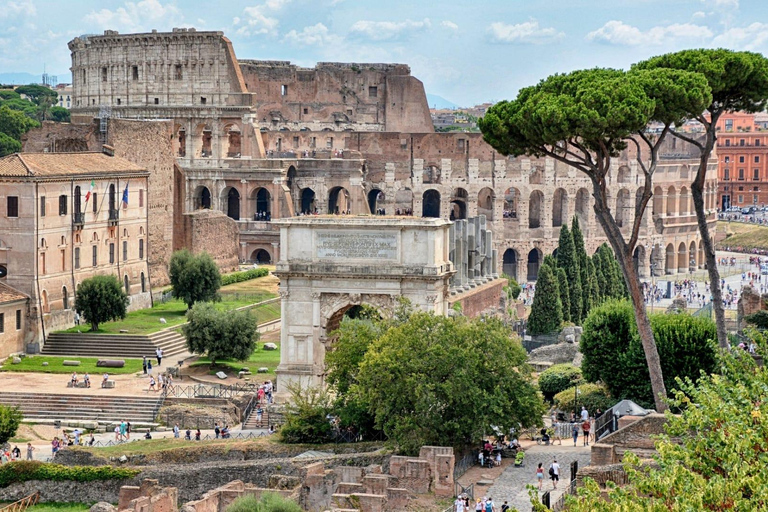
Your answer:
<point x="540" y="474"/>
<point x="30" y="449"/>
<point x="584" y="413"/>
<point x="458" y="505"/>
<point x="489" y="506"/>
<point x="159" y="354"/>
<point x="554" y="473"/>
<point x="575" y="432"/>
<point x="144" y="364"/>
<point x="176" y="431"/>
<point x="151" y="383"/>
<point x="585" y="427"/>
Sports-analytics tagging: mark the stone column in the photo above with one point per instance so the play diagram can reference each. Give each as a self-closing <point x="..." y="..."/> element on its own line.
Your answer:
<point x="489" y="268"/>
<point x="495" y="264"/>
<point x="452" y="253"/>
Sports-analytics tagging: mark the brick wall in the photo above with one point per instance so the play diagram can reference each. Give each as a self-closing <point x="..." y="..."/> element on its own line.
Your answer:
<point x="213" y="232"/>
<point x="477" y="300"/>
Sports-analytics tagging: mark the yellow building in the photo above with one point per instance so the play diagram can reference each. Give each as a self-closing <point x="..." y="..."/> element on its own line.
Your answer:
<point x="64" y="218"/>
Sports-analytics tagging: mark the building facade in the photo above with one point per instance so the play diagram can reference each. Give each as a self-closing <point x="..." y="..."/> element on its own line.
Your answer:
<point x="263" y="140"/>
<point x="742" y="153"/>
<point x="65" y="218"/>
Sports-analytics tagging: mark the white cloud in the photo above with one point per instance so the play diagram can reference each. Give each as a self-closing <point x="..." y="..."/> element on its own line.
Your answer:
<point x="137" y="16"/>
<point x="388" y="30"/>
<point x="619" y="33"/>
<point x="12" y="9"/>
<point x="752" y="37"/>
<point x="316" y="35"/>
<point x="698" y="15"/>
<point x="722" y="4"/>
<point x="260" y="19"/>
<point x="529" y="32"/>
<point x="450" y="25"/>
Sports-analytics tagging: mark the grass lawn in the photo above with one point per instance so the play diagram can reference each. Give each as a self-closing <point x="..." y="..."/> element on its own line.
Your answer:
<point x="59" y="507"/>
<point x="746" y="236"/>
<point x="146" y="321"/>
<point x="259" y="358"/>
<point x="87" y="364"/>
<point x="266" y="312"/>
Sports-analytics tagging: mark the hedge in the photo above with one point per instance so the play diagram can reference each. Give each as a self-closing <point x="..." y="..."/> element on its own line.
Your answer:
<point x="24" y="471"/>
<point x="557" y="378"/>
<point x="247" y="275"/>
<point x="591" y="396"/>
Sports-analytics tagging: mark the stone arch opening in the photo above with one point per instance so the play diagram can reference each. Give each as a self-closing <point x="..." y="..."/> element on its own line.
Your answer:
<point x="375" y="201"/>
<point x="638" y="258"/>
<point x="351" y="311"/>
<point x="64" y="297"/>
<point x="684" y="198"/>
<point x="625" y="175"/>
<point x="702" y="262"/>
<point x="671" y="202"/>
<point x="582" y="206"/>
<point x="511" y="200"/>
<point x="485" y="201"/>
<point x="234" y="141"/>
<point x="127" y="285"/>
<point x="44" y="302"/>
<point x="430" y="204"/>
<point x="693" y="263"/>
<point x="509" y="263"/>
<point x="559" y="207"/>
<point x="658" y="201"/>
<point x="536" y="177"/>
<point x="459" y="204"/>
<point x="263" y="200"/>
<point x="232" y="199"/>
<point x="669" y="264"/>
<point x="338" y="201"/>
<point x="682" y="257"/>
<point x="404" y="202"/>
<point x="291" y="178"/>
<point x="535" y="209"/>
<point x="308" y="206"/>
<point x="202" y="198"/>
<point x="622" y="208"/>
<point x="182" y="138"/>
<point x="261" y="256"/>
<point x="534" y="261"/>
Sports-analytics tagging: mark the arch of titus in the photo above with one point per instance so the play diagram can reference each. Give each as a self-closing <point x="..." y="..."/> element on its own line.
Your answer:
<point x="330" y="264"/>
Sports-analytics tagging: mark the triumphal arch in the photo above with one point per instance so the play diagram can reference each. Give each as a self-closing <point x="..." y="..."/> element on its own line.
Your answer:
<point x="330" y="264"/>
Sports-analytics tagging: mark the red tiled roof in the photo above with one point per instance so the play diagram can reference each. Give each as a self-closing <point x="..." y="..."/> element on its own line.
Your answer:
<point x="8" y="294"/>
<point x="64" y="164"/>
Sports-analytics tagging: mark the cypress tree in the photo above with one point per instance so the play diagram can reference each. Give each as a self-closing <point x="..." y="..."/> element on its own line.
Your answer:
<point x="562" y="282"/>
<point x="567" y="260"/>
<point x="581" y="256"/>
<point x="601" y="275"/>
<point x="594" y="288"/>
<point x="547" y="310"/>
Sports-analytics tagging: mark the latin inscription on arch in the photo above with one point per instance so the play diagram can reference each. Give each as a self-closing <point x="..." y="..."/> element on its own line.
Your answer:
<point x="356" y="245"/>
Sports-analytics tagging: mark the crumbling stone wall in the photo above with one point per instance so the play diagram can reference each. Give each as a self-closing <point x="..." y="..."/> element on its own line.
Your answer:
<point x="635" y="437"/>
<point x="220" y="498"/>
<point x="149" y="496"/>
<point x="478" y="300"/>
<point x="213" y="232"/>
<point x="750" y="302"/>
<point x="61" y="138"/>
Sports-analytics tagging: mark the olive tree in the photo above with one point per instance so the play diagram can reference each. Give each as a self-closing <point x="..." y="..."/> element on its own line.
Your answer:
<point x="738" y="81"/>
<point x="585" y="119"/>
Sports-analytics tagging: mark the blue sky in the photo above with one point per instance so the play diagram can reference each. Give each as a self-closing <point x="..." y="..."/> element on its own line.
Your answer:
<point x="467" y="51"/>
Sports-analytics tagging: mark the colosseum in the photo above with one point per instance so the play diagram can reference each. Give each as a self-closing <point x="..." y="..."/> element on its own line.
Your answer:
<point x="262" y="140"/>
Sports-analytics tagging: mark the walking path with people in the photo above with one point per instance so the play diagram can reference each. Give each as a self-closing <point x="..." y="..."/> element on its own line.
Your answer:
<point x="510" y="486"/>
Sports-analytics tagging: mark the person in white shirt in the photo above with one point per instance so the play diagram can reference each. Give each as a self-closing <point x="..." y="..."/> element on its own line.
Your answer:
<point x="584" y="414"/>
<point x="555" y="473"/>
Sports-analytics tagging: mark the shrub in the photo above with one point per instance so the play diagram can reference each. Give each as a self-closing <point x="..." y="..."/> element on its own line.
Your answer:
<point x="613" y="353"/>
<point x="759" y="319"/>
<point x="557" y="378"/>
<point x="269" y="502"/>
<point x="25" y="471"/>
<point x="306" y="416"/>
<point x="10" y="418"/>
<point x="591" y="396"/>
<point x="513" y="288"/>
<point x="247" y="275"/>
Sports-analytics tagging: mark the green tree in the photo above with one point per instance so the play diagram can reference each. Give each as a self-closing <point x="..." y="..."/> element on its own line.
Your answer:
<point x="194" y="277"/>
<point x="592" y="396"/>
<point x="613" y="353"/>
<point x="563" y="289"/>
<point x="13" y="123"/>
<point x="738" y="81"/>
<point x="10" y="419"/>
<point x="712" y="455"/>
<point x="8" y="145"/>
<point x="513" y="288"/>
<point x="39" y="94"/>
<point x="557" y="378"/>
<point x="594" y="288"/>
<point x="584" y="119"/>
<point x="435" y="379"/>
<point x="567" y="259"/>
<point x="100" y="299"/>
<point x="547" y="310"/>
<point x="220" y="334"/>
<point x="581" y="256"/>
<point x="306" y="416"/>
<point x="9" y="94"/>
<point x="266" y="502"/>
<point x="59" y="114"/>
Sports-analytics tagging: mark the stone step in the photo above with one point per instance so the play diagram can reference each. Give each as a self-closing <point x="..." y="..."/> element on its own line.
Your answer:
<point x="83" y="407"/>
<point x="114" y="346"/>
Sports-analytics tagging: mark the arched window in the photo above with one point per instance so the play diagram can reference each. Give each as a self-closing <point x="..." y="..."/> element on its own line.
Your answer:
<point x="431" y="204"/>
<point x="127" y="285"/>
<point x="64" y="298"/>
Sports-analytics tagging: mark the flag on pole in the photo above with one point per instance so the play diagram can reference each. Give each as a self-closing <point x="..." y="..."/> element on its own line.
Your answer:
<point x="125" y="195"/>
<point x="90" y="191"/>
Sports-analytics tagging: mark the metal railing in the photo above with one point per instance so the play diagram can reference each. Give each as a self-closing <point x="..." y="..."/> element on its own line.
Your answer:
<point x="605" y="424"/>
<point x="463" y="464"/>
<point x="546" y="498"/>
<point x="209" y="391"/>
<point x="140" y="437"/>
<point x="23" y="504"/>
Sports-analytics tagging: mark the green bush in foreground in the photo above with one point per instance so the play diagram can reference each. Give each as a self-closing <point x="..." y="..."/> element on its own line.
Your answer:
<point x="591" y="396"/>
<point x="10" y="419"/>
<point x="247" y="275"/>
<point x="557" y="378"/>
<point x="25" y="471"/>
<point x="269" y="502"/>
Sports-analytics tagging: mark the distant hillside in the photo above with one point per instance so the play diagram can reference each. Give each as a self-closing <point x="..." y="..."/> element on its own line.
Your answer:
<point x="439" y="102"/>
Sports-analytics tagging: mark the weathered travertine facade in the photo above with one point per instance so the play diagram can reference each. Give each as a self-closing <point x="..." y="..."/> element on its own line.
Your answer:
<point x="262" y="140"/>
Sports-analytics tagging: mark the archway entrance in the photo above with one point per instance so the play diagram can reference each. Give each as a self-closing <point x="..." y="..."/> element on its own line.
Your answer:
<point x="638" y="259"/>
<point x="308" y="201"/>
<point x="431" y="204"/>
<point x="261" y="257"/>
<point x="338" y="201"/>
<point x="458" y="204"/>
<point x="534" y="260"/>
<point x="509" y="263"/>
<point x="233" y="204"/>
<point x="263" y="204"/>
<point x="203" y="198"/>
<point x="375" y="200"/>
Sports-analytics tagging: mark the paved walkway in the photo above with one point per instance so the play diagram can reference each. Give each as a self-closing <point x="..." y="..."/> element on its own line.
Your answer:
<point x="510" y="485"/>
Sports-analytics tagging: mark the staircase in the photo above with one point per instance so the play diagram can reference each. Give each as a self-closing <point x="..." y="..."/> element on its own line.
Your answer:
<point x="104" y="409"/>
<point x="250" y="422"/>
<point x="118" y="346"/>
